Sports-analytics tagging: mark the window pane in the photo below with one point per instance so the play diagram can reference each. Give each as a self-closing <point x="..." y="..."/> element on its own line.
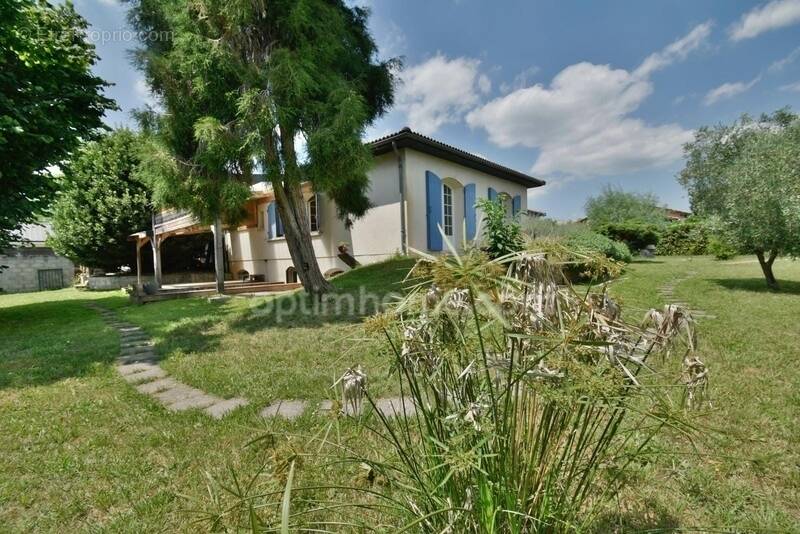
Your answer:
<point x="312" y="214"/>
<point x="447" y="204"/>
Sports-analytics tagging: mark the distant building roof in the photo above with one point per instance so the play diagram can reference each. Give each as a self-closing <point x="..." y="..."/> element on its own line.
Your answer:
<point x="406" y="138"/>
<point x="36" y="233"/>
<point x="676" y="215"/>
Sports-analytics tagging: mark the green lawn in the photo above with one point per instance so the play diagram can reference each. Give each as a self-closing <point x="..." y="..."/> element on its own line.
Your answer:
<point x="82" y="451"/>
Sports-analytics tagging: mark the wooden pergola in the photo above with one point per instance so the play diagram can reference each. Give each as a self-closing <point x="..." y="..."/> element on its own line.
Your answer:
<point x="170" y="223"/>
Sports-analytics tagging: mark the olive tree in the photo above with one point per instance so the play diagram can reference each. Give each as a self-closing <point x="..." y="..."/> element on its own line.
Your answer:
<point x="748" y="175"/>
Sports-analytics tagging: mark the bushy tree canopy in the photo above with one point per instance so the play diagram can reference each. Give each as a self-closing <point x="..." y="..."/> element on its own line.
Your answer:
<point x="748" y="175"/>
<point x="249" y="82"/>
<point x="100" y="203"/>
<point x="49" y="102"/>
<point x="617" y="206"/>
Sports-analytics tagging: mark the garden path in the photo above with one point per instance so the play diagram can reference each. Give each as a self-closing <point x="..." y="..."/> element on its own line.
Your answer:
<point x="138" y="365"/>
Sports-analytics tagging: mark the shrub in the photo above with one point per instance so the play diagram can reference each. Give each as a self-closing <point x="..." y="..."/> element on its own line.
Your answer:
<point x="540" y="227"/>
<point x="636" y="235"/>
<point x="685" y="238"/>
<point x="720" y="248"/>
<point x="594" y="242"/>
<point x="503" y="235"/>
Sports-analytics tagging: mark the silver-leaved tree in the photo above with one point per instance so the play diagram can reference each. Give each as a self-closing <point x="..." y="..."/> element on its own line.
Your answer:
<point x="748" y="175"/>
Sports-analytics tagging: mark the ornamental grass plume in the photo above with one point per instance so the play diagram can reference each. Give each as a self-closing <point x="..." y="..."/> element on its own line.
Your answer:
<point x="526" y="392"/>
<point x="525" y="403"/>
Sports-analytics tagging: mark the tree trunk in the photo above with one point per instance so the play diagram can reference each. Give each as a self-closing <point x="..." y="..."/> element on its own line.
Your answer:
<point x="219" y="255"/>
<point x="766" y="267"/>
<point x="292" y="209"/>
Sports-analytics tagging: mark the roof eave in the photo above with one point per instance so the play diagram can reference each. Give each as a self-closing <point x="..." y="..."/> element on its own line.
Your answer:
<point x="410" y="139"/>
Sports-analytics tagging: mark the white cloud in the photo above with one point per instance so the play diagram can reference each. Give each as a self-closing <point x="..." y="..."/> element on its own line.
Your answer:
<point x="439" y="91"/>
<point x="767" y="17"/>
<point x="523" y="79"/>
<point x="142" y="91"/>
<point x="676" y="51"/>
<point x="582" y="122"/>
<point x="782" y="63"/>
<point x="795" y="87"/>
<point x="728" y="90"/>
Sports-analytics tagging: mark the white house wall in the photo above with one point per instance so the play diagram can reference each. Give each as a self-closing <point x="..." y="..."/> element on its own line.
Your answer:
<point x="416" y="165"/>
<point x="376" y="236"/>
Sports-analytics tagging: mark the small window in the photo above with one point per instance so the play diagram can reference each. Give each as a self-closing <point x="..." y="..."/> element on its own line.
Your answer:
<point x="447" y="204"/>
<point x="313" y="214"/>
<point x="291" y="275"/>
<point x="261" y="217"/>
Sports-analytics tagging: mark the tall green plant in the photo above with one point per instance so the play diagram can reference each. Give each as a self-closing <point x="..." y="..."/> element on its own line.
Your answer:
<point x="101" y="202"/>
<point x="525" y="393"/>
<point x="50" y="102"/>
<point x="524" y="404"/>
<point x="503" y="235"/>
<point x="280" y="75"/>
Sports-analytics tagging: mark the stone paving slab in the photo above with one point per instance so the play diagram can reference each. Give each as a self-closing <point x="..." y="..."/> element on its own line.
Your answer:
<point x="157" y="385"/>
<point x="199" y="401"/>
<point x="288" y="409"/>
<point x="146" y="376"/>
<point x="177" y="393"/>
<point x="396" y="406"/>
<point x="135" y="350"/>
<point x="140" y="357"/>
<point x="125" y="329"/>
<point x="222" y="408"/>
<point x="135" y="367"/>
<point x="137" y="364"/>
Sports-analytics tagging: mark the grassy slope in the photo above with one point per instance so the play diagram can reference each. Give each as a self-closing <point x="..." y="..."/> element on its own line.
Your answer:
<point x="82" y="450"/>
<point x="747" y="475"/>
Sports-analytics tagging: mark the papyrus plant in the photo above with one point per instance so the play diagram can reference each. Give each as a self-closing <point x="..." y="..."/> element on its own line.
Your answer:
<point x="530" y="398"/>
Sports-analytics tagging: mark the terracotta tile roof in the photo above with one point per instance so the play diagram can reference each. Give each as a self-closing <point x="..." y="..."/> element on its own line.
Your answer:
<point x="406" y="138"/>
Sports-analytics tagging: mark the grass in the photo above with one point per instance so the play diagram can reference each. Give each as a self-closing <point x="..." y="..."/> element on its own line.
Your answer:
<point x="82" y="451"/>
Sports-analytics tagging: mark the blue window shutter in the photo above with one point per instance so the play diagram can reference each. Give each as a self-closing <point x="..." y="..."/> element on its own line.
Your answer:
<point x="517" y="205"/>
<point x="433" y="197"/>
<point x="271" y="220"/>
<point x="492" y="194"/>
<point x="469" y="210"/>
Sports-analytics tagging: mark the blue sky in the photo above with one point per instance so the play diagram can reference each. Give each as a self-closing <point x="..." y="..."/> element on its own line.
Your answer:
<point x="581" y="94"/>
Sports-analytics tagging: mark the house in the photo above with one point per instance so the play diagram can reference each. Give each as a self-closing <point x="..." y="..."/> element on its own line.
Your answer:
<point x="417" y="185"/>
<point x="30" y="265"/>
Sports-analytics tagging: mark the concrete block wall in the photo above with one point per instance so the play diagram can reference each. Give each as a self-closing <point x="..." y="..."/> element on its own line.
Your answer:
<point x="22" y="267"/>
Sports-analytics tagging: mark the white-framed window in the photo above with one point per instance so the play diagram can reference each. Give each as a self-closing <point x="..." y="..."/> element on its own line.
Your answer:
<point x="447" y="206"/>
<point x="313" y="214"/>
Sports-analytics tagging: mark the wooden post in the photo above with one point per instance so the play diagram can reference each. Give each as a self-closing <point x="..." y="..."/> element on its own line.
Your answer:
<point x="154" y="241"/>
<point x="138" y="263"/>
<point x="219" y="255"/>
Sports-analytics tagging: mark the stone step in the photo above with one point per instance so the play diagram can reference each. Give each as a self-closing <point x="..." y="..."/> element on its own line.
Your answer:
<point x="288" y="409"/>
<point x="130" y="351"/>
<point x="222" y="408"/>
<point x="145" y="376"/>
<point x="136" y="367"/>
<point x="157" y="385"/>
<point x="196" y="402"/>
<point x="139" y="357"/>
